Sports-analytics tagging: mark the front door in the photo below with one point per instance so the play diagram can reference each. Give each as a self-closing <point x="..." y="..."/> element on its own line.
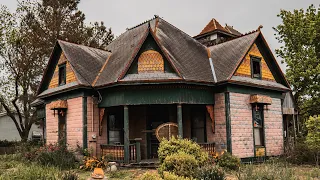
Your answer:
<point x="156" y="115"/>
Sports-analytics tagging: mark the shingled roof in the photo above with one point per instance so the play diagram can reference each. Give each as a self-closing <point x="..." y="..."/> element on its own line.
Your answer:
<point x="212" y="26"/>
<point x="187" y="55"/>
<point x="226" y="56"/>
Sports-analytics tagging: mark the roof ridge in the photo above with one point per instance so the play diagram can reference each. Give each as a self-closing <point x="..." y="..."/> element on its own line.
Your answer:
<point x="246" y="34"/>
<point x="63" y="41"/>
<point x="197" y="42"/>
<point x="146" y="21"/>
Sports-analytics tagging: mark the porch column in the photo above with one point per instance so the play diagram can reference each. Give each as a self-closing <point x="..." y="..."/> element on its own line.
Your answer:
<point x="126" y="133"/>
<point x="179" y="120"/>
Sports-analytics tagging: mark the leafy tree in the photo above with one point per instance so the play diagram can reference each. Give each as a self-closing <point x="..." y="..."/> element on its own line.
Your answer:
<point x="27" y="38"/>
<point x="313" y="137"/>
<point x="300" y="35"/>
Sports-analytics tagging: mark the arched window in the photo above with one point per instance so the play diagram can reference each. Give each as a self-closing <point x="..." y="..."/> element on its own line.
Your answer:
<point x="150" y="61"/>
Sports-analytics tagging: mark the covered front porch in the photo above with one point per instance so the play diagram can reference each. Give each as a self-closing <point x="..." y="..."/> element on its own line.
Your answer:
<point x="131" y="128"/>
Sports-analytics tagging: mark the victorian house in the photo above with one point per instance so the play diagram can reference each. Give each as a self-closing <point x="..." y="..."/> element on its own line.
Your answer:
<point x="221" y="88"/>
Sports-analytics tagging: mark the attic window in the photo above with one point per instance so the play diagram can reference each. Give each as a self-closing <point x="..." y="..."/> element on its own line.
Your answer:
<point x="256" y="67"/>
<point x="62" y="74"/>
<point x="150" y="62"/>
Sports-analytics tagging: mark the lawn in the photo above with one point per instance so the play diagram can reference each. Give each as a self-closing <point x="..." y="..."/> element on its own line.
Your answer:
<point x="12" y="167"/>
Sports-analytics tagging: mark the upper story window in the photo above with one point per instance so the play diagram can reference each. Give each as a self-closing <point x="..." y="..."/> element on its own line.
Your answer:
<point x="150" y="62"/>
<point x="62" y="74"/>
<point x="256" y="67"/>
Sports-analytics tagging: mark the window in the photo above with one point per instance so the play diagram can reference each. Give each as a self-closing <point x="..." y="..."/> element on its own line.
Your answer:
<point x="258" y="124"/>
<point x="256" y="67"/>
<point x="115" y="133"/>
<point x="62" y="127"/>
<point x="62" y="74"/>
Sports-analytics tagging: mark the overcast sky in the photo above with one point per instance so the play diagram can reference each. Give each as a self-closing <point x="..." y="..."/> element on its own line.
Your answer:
<point x="190" y="15"/>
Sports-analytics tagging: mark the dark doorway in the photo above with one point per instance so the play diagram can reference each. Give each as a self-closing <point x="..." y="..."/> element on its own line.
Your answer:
<point x="198" y="123"/>
<point x="156" y="115"/>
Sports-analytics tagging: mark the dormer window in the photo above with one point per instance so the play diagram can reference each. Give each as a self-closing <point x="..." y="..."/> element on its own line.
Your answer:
<point x="256" y="67"/>
<point x="62" y="74"/>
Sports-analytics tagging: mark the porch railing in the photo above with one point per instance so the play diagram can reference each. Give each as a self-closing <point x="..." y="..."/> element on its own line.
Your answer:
<point x="209" y="147"/>
<point x="116" y="152"/>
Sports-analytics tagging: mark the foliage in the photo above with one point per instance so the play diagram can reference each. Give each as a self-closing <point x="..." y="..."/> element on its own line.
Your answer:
<point x="228" y="161"/>
<point x="172" y="146"/>
<point x="313" y="136"/>
<point x="150" y="176"/>
<point x="6" y="143"/>
<point x="209" y="172"/>
<point x="172" y="176"/>
<point x="300" y="35"/>
<point x="118" y="174"/>
<point x="89" y="163"/>
<point x="56" y="155"/>
<point x="299" y="153"/>
<point x="69" y="175"/>
<point x="27" y="38"/>
<point x="266" y="171"/>
<point x="31" y="171"/>
<point x="181" y="164"/>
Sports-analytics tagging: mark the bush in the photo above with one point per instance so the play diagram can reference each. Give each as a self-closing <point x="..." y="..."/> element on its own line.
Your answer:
<point x="299" y="154"/>
<point x="172" y="176"/>
<point x="167" y="148"/>
<point x="228" y="161"/>
<point x="70" y="175"/>
<point x="210" y="172"/>
<point x="89" y="163"/>
<point x="181" y="164"/>
<point x="150" y="176"/>
<point x="56" y="155"/>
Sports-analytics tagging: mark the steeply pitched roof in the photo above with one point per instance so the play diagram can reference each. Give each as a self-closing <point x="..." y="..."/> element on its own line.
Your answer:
<point x="212" y="26"/>
<point x="226" y="56"/>
<point x="187" y="55"/>
<point x="85" y="61"/>
<point x="232" y="30"/>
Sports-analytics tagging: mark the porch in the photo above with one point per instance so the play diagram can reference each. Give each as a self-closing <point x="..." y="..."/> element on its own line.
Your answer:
<point x="131" y="130"/>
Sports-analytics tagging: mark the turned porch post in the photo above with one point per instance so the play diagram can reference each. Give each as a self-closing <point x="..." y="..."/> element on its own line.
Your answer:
<point x="126" y="133"/>
<point x="179" y="120"/>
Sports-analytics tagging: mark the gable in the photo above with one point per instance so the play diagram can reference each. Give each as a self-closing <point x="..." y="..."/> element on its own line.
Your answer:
<point x="150" y="59"/>
<point x="70" y="76"/>
<point x="245" y="67"/>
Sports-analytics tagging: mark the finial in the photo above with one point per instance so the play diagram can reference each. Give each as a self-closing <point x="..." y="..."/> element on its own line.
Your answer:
<point x="260" y="27"/>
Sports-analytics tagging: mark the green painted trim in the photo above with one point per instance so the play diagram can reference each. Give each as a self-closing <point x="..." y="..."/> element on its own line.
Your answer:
<point x="84" y="121"/>
<point x="140" y="95"/>
<point x="69" y="95"/>
<point x="253" y="137"/>
<point x="228" y="121"/>
<point x="179" y="120"/>
<point x="245" y="90"/>
<point x="126" y="133"/>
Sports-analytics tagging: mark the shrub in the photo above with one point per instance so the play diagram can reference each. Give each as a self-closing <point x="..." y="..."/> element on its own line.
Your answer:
<point x="56" y="155"/>
<point x="89" y="163"/>
<point x="210" y="172"/>
<point x="228" y="161"/>
<point x="172" y="176"/>
<point x="181" y="164"/>
<point x="172" y="146"/>
<point x="299" y="154"/>
<point x="313" y="136"/>
<point x="150" y="176"/>
<point x="70" y="175"/>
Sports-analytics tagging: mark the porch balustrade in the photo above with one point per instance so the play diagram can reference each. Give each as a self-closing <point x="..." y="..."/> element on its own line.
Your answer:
<point x="116" y="152"/>
<point x="208" y="147"/>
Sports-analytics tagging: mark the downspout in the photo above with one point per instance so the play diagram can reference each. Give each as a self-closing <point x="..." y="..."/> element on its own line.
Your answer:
<point x="211" y="65"/>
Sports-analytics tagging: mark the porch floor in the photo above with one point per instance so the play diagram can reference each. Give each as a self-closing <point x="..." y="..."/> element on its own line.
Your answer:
<point x="145" y="163"/>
